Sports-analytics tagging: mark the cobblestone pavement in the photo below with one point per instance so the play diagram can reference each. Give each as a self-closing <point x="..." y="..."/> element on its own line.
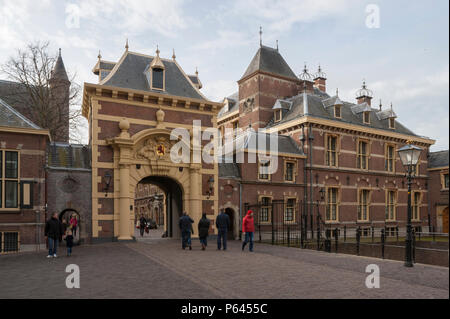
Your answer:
<point x="159" y="268"/>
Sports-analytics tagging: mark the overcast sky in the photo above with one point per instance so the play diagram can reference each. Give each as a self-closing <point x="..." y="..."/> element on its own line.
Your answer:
<point x="404" y="58"/>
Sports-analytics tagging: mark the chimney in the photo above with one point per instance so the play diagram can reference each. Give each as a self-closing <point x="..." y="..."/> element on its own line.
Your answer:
<point x="364" y="95"/>
<point x="320" y="80"/>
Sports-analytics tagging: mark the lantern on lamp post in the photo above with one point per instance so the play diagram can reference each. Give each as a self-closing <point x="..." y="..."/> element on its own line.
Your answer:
<point x="409" y="155"/>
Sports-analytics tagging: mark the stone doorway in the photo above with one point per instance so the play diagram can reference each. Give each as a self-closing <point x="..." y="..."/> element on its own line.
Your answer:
<point x="231" y="230"/>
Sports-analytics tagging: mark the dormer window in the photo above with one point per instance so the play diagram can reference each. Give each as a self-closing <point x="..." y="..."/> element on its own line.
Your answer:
<point x="337" y="111"/>
<point x="392" y="123"/>
<point x="366" y="117"/>
<point x="157" y="79"/>
<point x="277" y="115"/>
<point x="156" y="70"/>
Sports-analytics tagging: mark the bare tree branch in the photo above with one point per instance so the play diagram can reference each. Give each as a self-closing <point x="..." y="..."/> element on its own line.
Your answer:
<point x="47" y="100"/>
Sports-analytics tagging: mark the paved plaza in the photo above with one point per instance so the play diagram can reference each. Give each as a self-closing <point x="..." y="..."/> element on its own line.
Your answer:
<point x="158" y="268"/>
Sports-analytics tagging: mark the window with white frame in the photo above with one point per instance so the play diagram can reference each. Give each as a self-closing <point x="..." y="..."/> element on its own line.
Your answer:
<point x="332" y="204"/>
<point x="391" y="202"/>
<point x="289" y="212"/>
<point x="9" y="175"/>
<point x="266" y="207"/>
<point x="389" y="158"/>
<point x="363" y="205"/>
<point x="416" y="199"/>
<point x="331" y="150"/>
<point x="363" y="155"/>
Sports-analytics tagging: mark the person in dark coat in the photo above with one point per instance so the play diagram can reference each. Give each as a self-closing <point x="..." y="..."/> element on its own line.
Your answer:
<point x="203" y="230"/>
<point x="222" y="224"/>
<point x="142" y="225"/>
<point x="185" y="224"/>
<point x="53" y="233"/>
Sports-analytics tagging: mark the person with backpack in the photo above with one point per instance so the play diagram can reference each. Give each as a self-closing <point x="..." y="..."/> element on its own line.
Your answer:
<point x="203" y="230"/>
<point x="185" y="224"/>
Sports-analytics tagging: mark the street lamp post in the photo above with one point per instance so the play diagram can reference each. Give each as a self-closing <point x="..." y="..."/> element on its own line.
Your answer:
<point x="409" y="155"/>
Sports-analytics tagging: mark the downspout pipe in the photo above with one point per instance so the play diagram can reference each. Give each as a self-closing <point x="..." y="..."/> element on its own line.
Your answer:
<point x="305" y="188"/>
<point x="310" y="146"/>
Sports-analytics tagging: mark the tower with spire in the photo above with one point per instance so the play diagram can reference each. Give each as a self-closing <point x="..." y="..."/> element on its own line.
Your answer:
<point x="60" y="95"/>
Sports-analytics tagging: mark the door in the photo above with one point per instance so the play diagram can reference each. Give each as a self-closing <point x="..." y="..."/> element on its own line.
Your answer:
<point x="230" y="214"/>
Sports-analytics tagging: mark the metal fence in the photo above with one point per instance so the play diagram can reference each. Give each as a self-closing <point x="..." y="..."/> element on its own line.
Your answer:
<point x="283" y="223"/>
<point x="9" y="242"/>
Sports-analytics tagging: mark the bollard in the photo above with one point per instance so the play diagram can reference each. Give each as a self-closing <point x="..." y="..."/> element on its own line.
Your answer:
<point x="358" y="238"/>
<point x="336" y="238"/>
<point x="289" y="236"/>
<point x="345" y="233"/>
<point x="396" y="231"/>
<point x="382" y="243"/>
<point x="414" y="246"/>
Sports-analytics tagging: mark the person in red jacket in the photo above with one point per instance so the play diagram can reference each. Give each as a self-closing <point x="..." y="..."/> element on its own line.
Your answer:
<point x="248" y="227"/>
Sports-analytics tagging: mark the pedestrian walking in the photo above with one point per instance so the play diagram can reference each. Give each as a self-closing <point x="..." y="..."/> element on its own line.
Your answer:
<point x="142" y="224"/>
<point x="222" y="224"/>
<point x="53" y="233"/>
<point x="185" y="224"/>
<point x="74" y="224"/>
<point x="203" y="230"/>
<point x="69" y="242"/>
<point x="248" y="227"/>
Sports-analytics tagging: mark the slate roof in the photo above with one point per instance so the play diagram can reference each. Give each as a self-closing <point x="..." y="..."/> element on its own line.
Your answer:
<point x="269" y="60"/>
<point x="11" y="118"/>
<point x="70" y="156"/>
<point x="438" y="159"/>
<point x="59" y="71"/>
<point x="249" y="140"/>
<point x="129" y="73"/>
<point x="233" y="105"/>
<point x="319" y="106"/>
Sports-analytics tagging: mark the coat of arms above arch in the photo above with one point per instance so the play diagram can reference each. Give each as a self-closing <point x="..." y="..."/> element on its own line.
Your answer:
<point x="155" y="148"/>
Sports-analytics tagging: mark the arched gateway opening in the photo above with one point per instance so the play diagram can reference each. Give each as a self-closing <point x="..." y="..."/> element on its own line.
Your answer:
<point x="170" y="208"/>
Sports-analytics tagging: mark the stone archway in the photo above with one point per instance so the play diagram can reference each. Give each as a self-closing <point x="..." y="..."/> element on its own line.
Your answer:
<point x="146" y="154"/>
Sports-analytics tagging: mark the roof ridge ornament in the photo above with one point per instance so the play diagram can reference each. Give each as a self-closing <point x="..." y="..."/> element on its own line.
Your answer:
<point x="277" y="45"/>
<point x="173" y="55"/>
<point x="320" y="73"/>
<point x="157" y="62"/>
<point x="364" y="91"/>
<point x="305" y="76"/>
<point x="196" y="71"/>
<point x="381" y="106"/>
<point x="99" y="56"/>
<point x="260" y="36"/>
<point x="126" y="45"/>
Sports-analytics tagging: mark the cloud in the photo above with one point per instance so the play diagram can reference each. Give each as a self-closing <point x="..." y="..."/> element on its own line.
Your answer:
<point x="283" y="14"/>
<point x="135" y="16"/>
<point x="217" y="90"/>
<point x="225" y="39"/>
